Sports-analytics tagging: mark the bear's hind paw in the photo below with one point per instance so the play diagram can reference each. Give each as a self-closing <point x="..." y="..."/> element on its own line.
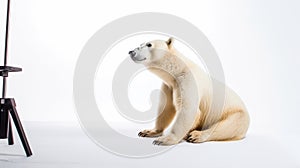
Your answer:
<point x="196" y="137"/>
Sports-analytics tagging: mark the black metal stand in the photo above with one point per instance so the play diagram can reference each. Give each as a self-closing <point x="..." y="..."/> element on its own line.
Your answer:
<point x="8" y="105"/>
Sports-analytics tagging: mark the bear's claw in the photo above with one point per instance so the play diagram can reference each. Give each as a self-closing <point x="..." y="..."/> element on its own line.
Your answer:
<point x="156" y="142"/>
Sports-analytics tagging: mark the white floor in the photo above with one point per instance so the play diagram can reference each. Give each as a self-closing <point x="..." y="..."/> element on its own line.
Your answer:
<point x="65" y="145"/>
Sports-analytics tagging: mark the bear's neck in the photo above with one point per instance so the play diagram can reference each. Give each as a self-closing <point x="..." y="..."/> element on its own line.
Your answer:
<point x="170" y="69"/>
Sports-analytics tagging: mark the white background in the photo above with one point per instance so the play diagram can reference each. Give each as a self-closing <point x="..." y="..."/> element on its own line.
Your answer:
<point x="257" y="42"/>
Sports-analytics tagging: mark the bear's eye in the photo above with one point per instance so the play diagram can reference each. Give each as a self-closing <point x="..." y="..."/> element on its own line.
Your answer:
<point x="149" y="45"/>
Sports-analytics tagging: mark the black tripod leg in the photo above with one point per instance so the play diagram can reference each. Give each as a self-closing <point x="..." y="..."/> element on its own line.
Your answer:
<point x="10" y="133"/>
<point x="20" y="130"/>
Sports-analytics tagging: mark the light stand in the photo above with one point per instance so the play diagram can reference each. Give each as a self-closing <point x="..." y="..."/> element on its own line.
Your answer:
<point x="8" y="105"/>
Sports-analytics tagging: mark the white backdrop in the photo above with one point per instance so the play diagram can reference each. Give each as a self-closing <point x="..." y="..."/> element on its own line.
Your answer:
<point x="257" y="42"/>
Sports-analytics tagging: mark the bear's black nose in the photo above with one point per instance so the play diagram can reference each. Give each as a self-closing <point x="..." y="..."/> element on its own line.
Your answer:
<point x="131" y="53"/>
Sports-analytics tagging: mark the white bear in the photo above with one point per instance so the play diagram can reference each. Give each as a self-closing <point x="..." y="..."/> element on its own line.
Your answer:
<point x="187" y="98"/>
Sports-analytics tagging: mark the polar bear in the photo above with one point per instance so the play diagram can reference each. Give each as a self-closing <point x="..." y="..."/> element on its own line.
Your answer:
<point x="187" y="97"/>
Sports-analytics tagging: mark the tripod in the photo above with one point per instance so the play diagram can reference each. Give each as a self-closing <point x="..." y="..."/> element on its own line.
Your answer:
<point x="7" y="105"/>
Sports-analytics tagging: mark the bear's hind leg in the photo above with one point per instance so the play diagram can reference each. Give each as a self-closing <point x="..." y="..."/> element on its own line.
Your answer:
<point x="234" y="127"/>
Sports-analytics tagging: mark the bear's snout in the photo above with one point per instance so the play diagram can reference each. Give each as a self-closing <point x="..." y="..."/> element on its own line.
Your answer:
<point x="132" y="54"/>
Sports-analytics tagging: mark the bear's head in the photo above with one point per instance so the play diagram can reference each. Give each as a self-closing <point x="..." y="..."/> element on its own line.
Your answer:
<point x="151" y="51"/>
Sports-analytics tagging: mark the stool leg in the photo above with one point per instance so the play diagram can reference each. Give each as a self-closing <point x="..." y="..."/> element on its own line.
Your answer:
<point x="20" y="130"/>
<point x="10" y="133"/>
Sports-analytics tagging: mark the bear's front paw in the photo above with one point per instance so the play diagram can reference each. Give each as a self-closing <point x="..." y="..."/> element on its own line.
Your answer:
<point x="150" y="133"/>
<point x="166" y="140"/>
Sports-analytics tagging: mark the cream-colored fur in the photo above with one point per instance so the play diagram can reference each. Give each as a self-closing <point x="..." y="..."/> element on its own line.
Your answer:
<point x="188" y="91"/>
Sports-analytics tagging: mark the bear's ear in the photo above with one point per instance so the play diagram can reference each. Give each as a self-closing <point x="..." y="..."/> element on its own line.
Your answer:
<point x="170" y="42"/>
